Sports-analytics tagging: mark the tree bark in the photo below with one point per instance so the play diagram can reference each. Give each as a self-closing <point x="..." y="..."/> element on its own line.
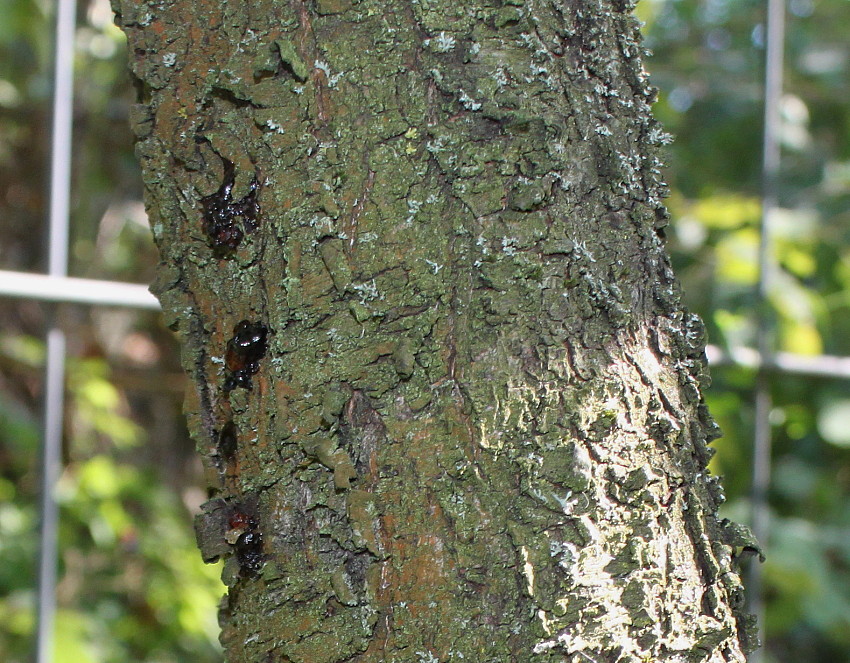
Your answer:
<point x="444" y="388"/>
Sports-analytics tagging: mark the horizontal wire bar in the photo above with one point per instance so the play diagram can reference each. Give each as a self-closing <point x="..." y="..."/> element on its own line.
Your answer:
<point x="132" y="295"/>
<point x="828" y="366"/>
<point x="76" y="291"/>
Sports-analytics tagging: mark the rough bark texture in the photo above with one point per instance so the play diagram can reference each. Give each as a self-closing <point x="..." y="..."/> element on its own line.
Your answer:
<point x="444" y="388"/>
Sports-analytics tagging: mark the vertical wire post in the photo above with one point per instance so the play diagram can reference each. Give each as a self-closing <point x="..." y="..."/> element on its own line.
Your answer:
<point x="765" y="325"/>
<point x="60" y="189"/>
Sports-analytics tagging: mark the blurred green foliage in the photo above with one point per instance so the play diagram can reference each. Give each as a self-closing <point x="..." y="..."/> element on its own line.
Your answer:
<point x="708" y="64"/>
<point x="132" y="585"/>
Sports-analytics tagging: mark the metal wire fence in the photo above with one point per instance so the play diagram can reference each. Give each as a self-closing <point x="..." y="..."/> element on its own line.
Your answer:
<point x="57" y="287"/>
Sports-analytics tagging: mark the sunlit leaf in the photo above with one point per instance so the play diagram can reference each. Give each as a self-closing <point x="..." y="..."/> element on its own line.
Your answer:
<point x="834" y="422"/>
<point x="99" y="393"/>
<point x="71" y="638"/>
<point x="98" y="478"/>
<point x="737" y="256"/>
<point x="25" y="349"/>
<point x="801" y="338"/>
<point x="728" y="211"/>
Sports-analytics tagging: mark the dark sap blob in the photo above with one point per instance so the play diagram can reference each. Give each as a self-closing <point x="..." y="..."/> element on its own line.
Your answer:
<point x="244" y="352"/>
<point x="248" y="543"/>
<point x="221" y="214"/>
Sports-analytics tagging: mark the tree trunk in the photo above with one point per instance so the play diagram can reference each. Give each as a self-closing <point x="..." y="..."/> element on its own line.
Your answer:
<point x="445" y="391"/>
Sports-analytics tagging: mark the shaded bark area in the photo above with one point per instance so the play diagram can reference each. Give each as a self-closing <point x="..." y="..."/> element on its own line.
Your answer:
<point x="445" y="391"/>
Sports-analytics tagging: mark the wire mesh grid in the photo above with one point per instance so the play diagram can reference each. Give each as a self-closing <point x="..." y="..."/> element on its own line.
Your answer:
<point x="56" y="286"/>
